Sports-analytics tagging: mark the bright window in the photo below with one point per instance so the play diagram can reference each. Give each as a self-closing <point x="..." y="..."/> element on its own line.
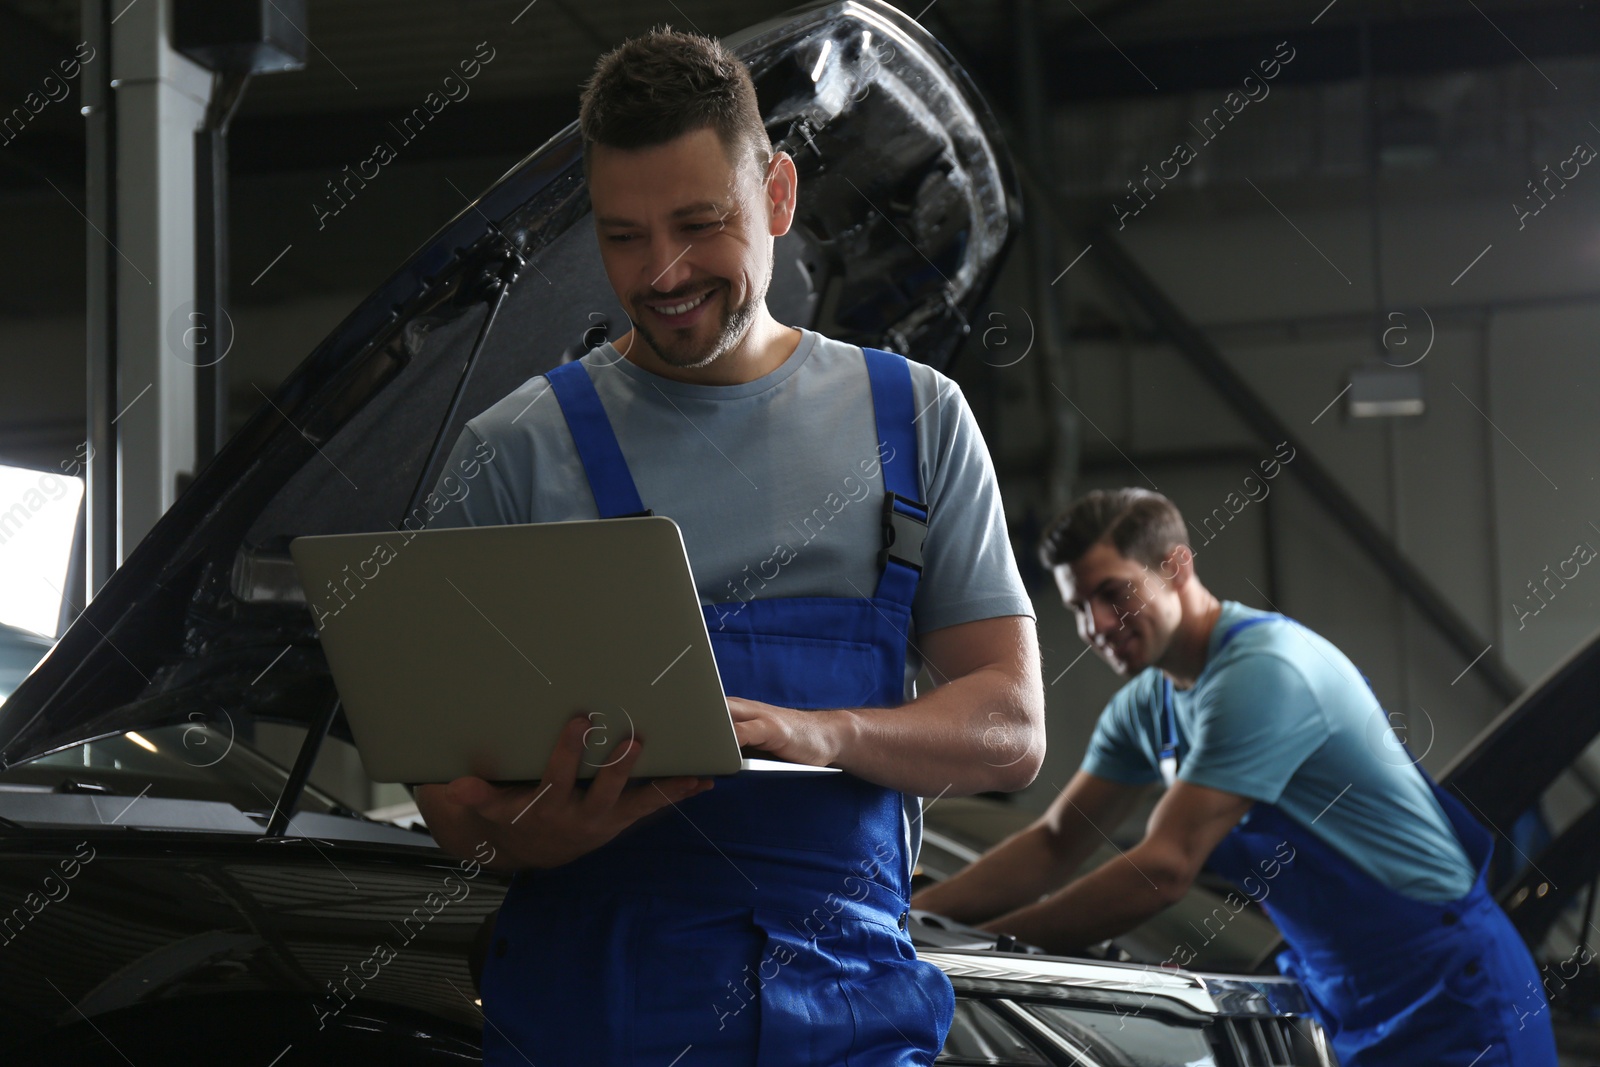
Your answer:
<point x="38" y="516"/>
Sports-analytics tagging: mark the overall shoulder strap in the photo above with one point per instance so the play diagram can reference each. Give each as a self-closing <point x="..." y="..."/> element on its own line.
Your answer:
<point x="905" y="515"/>
<point x="609" y="478"/>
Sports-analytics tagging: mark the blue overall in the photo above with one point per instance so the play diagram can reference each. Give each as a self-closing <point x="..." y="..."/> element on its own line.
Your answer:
<point x="763" y="920"/>
<point x="1395" y="982"/>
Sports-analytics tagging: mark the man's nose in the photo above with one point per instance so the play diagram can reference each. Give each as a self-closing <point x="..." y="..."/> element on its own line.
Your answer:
<point x="668" y="267"/>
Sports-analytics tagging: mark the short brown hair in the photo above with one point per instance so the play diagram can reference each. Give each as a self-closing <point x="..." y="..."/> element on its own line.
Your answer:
<point x="1141" y="525"/>
<point x="654" y="89"/>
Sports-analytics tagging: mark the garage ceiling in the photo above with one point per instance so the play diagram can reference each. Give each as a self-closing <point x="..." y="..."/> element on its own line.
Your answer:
<point x="368" y="55"/>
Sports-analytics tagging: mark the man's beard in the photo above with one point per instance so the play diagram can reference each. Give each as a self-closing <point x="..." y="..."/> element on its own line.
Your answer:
<point x="683" y="350"/>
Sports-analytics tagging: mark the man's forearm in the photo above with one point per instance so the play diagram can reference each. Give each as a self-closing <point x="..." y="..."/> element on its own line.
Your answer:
<point x="1110" y="900"/>
<point x="1017" y="872"/>
<point x="982" y="731"/>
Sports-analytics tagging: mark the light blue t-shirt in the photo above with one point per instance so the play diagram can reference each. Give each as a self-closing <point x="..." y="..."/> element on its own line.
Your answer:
<point x="1283" y="717"/>
<point x="775" y="483"/>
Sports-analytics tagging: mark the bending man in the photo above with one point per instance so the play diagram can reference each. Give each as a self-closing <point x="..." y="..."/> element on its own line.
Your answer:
<point x="1278" y="763"/>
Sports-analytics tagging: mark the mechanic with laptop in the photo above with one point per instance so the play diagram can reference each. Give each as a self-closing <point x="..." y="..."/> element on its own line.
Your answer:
<point x="1282" y="774"/>
<point x="837" y="505"/>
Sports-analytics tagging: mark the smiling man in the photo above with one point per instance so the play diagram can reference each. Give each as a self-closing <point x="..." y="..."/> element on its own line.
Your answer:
<point x="1279" y="765"/>
<point x="844" y="526"/>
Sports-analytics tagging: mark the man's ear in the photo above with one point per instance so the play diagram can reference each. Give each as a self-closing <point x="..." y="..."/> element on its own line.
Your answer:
<point x="1178" y="567"/>
<point x="781" y="193"/>
<point x="1062" y="576"/>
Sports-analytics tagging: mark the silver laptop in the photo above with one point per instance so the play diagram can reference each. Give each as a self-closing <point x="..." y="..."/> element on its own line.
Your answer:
<point x="465" y="651"/>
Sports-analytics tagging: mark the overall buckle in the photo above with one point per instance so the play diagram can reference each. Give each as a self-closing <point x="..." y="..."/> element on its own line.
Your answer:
<point x="903" y="534"/>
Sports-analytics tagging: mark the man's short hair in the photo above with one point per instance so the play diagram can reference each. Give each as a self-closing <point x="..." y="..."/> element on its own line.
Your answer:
<point x="1141" y="525"/>
<point x="654" y="89"/>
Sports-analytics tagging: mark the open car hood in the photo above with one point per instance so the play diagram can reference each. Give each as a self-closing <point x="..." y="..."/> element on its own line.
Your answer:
<point x="1508" y="766"/>
<point x="1508" y="769"/>
<point x="908" y="202"/>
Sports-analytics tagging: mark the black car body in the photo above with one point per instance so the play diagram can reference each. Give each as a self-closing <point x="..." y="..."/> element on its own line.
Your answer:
<point x="167" y="892"/>
<point x="154" y="915"/>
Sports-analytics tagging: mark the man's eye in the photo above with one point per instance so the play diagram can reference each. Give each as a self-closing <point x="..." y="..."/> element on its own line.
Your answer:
<point x="698" y="226"/>
<point x="618" y="238"/>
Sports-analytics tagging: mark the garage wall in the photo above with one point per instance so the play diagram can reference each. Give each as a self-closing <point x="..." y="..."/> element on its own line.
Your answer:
<point x="1545" y="379"/>
<point x="1493" y="483"/>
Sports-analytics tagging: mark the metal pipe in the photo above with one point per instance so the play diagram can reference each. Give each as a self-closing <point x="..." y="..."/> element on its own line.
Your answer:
<point x="100" y="326"/>
<point x="1053" y="369"/>
<point x="507" y="276"/>
<point x="211" y="264"/>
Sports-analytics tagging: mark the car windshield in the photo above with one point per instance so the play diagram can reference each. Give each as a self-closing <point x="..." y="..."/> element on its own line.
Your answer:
<point x="181" y="762"/>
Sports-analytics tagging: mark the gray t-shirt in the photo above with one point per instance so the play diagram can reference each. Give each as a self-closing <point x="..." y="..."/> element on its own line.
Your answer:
<point x="775" y="483"/>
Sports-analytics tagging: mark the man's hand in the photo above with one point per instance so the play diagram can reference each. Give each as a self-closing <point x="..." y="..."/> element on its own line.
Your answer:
<point x="809" y="737"/>
<point x="554" y="821"/>
<point x="981" y="727"/>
